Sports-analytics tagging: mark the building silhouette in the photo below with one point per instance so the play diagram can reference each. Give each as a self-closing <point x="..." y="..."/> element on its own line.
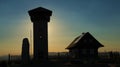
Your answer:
<point x="84" y="46"/>
<point x="25" y="51"/>
<point x="40" y="18"/>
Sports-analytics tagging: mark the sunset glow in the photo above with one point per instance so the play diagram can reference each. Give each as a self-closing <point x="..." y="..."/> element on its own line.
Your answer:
<point x="69" y="20"/>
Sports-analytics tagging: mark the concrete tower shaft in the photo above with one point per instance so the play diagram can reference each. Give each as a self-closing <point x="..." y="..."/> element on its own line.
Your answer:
<point x="40" y="17"/>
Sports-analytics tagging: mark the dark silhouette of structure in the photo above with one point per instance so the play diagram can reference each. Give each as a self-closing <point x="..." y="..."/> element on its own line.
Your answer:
<point x="9" y="57"/>
<point x="25" y="51"/>
<point x="40" y="17"/>
<point x="84" y="46"/>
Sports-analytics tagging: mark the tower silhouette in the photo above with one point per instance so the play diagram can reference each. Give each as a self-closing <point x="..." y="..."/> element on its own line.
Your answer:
<point x="40" y="17"/>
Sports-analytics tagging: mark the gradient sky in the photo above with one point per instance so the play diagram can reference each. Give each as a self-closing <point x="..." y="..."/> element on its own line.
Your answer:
<point x="69" y="19"/>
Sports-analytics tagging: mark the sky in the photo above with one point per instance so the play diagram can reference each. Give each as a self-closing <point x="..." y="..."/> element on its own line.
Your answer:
<point x="69" y="19"/>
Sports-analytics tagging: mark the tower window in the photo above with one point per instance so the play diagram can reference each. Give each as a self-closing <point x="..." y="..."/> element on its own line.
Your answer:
<point x="40" y="36"/>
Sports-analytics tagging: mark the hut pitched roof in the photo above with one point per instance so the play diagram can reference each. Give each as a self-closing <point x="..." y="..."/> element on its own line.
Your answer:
<point x="79" y="41"/>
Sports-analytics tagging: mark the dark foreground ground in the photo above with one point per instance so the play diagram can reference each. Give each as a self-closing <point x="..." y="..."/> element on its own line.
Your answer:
<point x="58" y="63"/>
<point x="55" y="64"/>
<point x="63" y="64"/>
